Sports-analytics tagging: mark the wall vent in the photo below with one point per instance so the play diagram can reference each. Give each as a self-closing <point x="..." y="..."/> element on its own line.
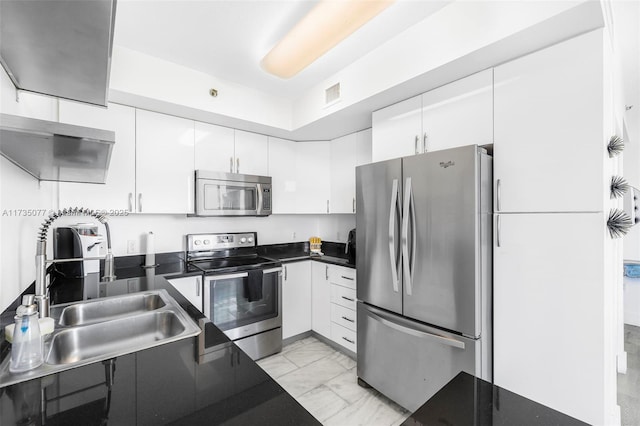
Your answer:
<point x="332" y="94"/>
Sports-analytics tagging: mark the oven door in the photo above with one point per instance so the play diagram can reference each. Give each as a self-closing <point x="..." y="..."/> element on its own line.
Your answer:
<point x="228" y="304"/>
<point x="227" y="198"/>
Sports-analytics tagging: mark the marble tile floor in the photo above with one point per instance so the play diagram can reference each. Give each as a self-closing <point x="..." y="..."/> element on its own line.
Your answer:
<point x="324" y="381"/>
<point x="629" y="383"/>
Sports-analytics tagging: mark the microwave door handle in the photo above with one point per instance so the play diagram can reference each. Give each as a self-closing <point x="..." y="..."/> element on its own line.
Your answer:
<point x="259" y="198"/>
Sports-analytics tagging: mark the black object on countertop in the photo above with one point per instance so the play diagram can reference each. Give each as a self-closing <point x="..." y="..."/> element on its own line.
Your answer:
<point x="469" y="401"/>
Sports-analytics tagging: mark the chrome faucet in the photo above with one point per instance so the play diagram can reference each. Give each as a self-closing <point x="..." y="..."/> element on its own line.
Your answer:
<point x="42" y="296"/>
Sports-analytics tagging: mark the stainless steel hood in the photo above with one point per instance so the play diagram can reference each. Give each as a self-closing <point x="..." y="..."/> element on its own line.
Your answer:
<point x="56" y="151"/>
<point x="58" y="47"/>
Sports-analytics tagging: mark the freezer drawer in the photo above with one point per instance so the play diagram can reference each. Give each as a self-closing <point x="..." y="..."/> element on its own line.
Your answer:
<point x="407" y="361"/>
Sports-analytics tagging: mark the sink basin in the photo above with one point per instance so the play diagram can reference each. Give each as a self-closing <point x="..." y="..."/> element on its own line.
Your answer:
<point x="112" y="337"/>
<point x="100" y="329"/>
<point x="100" y="310"/>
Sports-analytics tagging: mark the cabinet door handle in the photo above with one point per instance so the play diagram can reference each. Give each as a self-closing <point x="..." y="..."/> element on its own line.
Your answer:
<point x="416" y="143"/>
<point x="285" y="272"/>
<point x="140" y="202"/>
<point x="354" y="204"/>
<point x="131" y="201"/>
<point x="349" y="340"/>
<point x="498" y="193"/>
<point x="238" y="168"/>
<point x="326" y="273"/>
<point x="327" y="206"/>
<point x="348" y="298"/>
<point x="347" y="278"/>
<point x="230" y="164"/>
<point x="498" y="230"/>
<point x="424" y="143"/>
<point x="348" y="319"/>
<point x="198" y="285"/>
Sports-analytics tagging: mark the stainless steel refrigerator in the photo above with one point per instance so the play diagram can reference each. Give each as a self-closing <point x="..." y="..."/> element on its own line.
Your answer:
<point x="423" y="263"/>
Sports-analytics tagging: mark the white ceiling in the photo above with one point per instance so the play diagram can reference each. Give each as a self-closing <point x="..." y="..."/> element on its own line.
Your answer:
<point x="228" y="38"/>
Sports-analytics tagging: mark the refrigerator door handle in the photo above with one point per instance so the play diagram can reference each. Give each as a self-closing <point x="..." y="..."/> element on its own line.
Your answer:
<point x="414" y="233"/>
<point x="405" y="236"/>
<point x="417" y="333"/>
<point x="392" y="235"/>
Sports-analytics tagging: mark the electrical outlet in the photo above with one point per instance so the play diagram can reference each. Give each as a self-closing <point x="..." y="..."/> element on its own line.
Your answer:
<point x="131" y="246"/>
<point x="293" y="236"/>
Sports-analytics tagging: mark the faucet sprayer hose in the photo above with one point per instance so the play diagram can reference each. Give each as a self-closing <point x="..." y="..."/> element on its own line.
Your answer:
<point x="72" y="211"/>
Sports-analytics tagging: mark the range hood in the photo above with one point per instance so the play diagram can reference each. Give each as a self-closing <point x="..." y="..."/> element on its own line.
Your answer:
<point x="60" y="48"/>
<point x="55" y="151"/>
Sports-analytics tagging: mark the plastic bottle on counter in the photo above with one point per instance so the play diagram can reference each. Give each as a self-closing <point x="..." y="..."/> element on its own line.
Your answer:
<point x="26" y="349"/>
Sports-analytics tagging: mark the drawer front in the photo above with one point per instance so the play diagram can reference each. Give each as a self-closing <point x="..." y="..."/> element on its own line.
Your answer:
<point x="343" y="316"/>
<point x="343" y="296"/>
<point x="344" y="336"/>
<point x="342" y="276"/>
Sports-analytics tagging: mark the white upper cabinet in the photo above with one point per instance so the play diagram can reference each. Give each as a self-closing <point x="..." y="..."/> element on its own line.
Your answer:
<point x="459" y="113"/>
<point x="313" y="169"/>
<point x="549" y="148"/>
<point x="227" y="150"/>
<point x="397" y="130"/>
<point x="363" y="147"/>
<point x="118" y="191"/>
<point x="284" y="178"/>
<point x="214" y="148"/>
<point x="164" y="163"/>
<point x="252" y="151"/>
<point x="343" y="174"/>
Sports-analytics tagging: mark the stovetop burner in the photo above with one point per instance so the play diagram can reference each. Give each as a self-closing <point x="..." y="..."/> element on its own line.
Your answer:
<point x="223" y="253"/>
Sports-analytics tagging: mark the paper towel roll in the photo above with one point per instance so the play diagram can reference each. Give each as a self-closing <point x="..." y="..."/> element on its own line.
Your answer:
<point x="150" y="258"/>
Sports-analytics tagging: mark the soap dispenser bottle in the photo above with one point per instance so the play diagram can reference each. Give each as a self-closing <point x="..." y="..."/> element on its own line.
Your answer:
<point x="26" y="350"/>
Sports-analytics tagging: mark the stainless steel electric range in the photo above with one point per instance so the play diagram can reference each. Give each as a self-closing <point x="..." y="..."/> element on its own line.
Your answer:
<point x="242" y="292"/>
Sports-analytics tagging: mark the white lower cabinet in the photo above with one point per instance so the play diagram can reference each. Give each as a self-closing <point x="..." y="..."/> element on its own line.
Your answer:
<point x="320" y="297"/>
<point x="190" y="288"/>
<point x="296" y="298"/>
<point x="342" y="283"/>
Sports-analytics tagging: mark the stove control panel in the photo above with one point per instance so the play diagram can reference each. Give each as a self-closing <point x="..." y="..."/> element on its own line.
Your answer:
<point x="198" y="242"/>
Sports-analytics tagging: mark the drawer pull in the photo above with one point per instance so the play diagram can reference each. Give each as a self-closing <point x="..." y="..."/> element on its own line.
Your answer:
<point x="347" y="278"/>
<point x="348" y="298"/>
<point x="348" y="319"/>
<point x="349" y="340"/>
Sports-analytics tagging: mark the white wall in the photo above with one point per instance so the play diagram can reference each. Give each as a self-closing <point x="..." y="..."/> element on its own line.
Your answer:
<point x="169" y="230"/>
<point x="19" y="191"/>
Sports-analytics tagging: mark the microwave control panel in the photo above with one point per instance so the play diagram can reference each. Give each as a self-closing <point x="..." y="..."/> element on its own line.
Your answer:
<point x="266" y="199"/>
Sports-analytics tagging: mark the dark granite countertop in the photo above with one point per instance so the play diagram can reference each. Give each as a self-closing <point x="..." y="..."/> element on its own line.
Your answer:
<point x="293" y="252"/>
<point x="469" y="401"/>
<point x="161" y="385"/>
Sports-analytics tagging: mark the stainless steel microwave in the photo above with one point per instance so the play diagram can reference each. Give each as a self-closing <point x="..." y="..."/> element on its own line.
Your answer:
<point x="232" y="194"/>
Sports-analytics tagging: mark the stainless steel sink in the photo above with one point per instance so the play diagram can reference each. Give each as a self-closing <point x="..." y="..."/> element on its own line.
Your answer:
<point x="100" y="310"/>
<point x="100" y="329"/>
<point x="112" y="337"/>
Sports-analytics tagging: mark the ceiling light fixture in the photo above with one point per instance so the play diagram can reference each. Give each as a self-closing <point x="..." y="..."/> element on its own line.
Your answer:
<point x="326" y="25"/>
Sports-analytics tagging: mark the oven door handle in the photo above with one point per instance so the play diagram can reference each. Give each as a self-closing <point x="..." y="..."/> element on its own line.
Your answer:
<point x="272" y="270"/>
<point x="228" y="277"/>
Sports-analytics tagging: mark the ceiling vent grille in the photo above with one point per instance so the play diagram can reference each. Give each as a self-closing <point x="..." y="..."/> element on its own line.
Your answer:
<point x="332" y="94"/>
